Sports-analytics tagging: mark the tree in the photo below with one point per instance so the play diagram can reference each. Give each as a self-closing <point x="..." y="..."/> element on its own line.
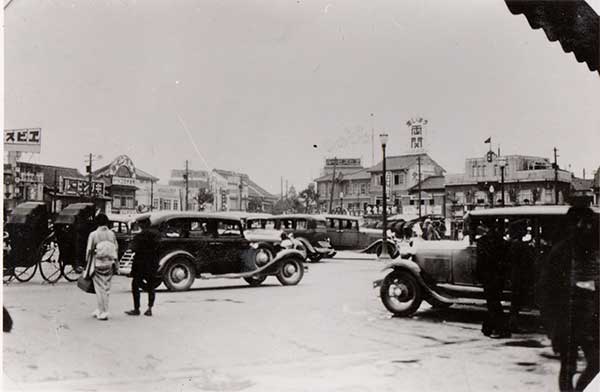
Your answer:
<point x="204" y="196"/>
<point x="310" y="197"/>
<point x="255" y="205"/>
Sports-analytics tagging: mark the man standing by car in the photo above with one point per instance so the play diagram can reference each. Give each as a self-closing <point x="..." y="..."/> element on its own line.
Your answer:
<point x="491" y="254"/>
<point x="145" y="266"/>
<point x="569" y="297"/>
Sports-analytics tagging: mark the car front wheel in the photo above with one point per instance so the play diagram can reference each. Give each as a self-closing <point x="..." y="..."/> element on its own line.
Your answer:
<point x="179" y="274"/>
<point x="290" y="272"/>
<point x="401" y="294"/>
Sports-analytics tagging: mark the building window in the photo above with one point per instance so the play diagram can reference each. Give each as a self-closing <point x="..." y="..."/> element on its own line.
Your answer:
<point x="431" y="202"/>
<point x="155" y="203"/>
<point x="380" y="180"/>
<point x="396" y="179"/>
<point x="363" y="189"/>
<point x="116" y="202"/>
<point x="176" y="205"/>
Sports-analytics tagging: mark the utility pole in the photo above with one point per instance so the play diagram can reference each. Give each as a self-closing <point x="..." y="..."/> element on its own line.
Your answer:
<point x="55" y="191"/>
<point x="241" y="187"/>
<point x="419" y="184"/>
<point x="89" y="170"/>
<point x="555" y="177"/>
<point x="332" y="184"/>
<point x="151" y="195"/>
<point x="186" y="178"/>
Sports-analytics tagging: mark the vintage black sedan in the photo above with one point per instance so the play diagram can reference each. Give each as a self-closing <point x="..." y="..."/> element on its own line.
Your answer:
<point x="443" y="272"/>
<point x="210" y="245"/>
<point x="309" y="230"/>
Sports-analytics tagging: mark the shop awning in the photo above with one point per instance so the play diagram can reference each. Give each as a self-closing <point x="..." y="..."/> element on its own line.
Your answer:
<point x="573" y="23"/>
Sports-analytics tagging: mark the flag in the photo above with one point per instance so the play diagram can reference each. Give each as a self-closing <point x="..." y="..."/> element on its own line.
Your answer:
<point x="488" y="140"/>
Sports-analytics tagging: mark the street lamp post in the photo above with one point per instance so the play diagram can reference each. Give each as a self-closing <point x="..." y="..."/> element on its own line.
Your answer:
<point x="383" y="138"/>
<point x="492" y="195"/>
<point x="502" y="163"/>
<point x="342" y="202"/>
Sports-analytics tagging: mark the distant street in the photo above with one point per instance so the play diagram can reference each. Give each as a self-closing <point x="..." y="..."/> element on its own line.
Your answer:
<point x="330" y="333"/>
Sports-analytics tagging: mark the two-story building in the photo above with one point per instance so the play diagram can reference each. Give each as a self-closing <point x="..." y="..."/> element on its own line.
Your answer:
<point x="403" y="172"/>
<point x="526" y="180"/>
<point x="121" y="179"/>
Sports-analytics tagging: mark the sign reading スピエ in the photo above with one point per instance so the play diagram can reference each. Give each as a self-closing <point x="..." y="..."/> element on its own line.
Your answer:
<point x="24" y="140"/>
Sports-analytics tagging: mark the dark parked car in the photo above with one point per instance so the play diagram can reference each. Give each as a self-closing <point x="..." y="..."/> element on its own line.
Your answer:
<point x="349" y="232"/>
<point x="443" y="272"/>
<point x="124" y="227"/>
<point x="310" y="230"/>
<point x="208" y="246"/>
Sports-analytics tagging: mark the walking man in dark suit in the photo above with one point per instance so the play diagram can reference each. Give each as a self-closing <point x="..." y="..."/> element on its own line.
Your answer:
<point x="145" y="266"/>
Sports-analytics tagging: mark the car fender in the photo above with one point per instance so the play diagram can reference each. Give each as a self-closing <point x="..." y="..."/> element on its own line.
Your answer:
<point x="166" y="258"/>
<point x="373" y="247"/>
<point x="306" y="243"/>
<point x="268" y="245"/>
<point x="279" y="258"/>
<point x="413" y="269"/>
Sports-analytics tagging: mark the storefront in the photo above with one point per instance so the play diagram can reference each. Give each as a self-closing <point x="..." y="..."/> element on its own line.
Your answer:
<point x="120" y="179"/>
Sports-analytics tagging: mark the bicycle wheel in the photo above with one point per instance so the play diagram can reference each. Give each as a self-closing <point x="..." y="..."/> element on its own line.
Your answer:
<point x="69" y="272"/>
<point x="50" y="263"/>
<point x="24" y="274"/>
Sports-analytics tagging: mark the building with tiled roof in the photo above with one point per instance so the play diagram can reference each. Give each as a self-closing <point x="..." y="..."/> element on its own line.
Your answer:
<point x="358" y="190"/>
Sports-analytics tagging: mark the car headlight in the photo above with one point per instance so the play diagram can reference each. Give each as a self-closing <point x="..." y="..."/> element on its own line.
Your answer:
<point x="254" y="245"/>
<point x="287" y="244"/>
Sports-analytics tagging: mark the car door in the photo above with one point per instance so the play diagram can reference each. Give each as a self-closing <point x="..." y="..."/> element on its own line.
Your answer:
<point x="334" y="233"/>
<point x="349" y="233"/>
<point x="231" y="247"/>
<point x="464" y="260"/>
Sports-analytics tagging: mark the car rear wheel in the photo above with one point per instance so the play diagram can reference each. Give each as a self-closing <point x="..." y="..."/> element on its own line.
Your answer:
<point x="179" y="274"/>
<point x="290" y="272"/>
<point x="401" y="294"/>
<point x="255" y="280"/>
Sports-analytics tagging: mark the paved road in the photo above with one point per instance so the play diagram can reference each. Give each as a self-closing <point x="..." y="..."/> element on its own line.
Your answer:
<point x="330" y="333"/>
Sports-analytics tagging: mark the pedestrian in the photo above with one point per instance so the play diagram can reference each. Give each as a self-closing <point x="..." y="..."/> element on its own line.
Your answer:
<point x="429" y="231"/>
<point x="568" y="297"/>
<point x="101" y="254"/>
<point x="145" y="266"/>
<point x="520" y="255"/>
<point x="491" y="254"/>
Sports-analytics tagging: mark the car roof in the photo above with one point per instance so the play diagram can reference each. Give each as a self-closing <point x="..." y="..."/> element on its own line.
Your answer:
<point x="299" y="216"/>
<point x="159" y="217"/>
<point x="524" y="210"/>
<point x="121" y="218"/>
<point x="333" y="216"/>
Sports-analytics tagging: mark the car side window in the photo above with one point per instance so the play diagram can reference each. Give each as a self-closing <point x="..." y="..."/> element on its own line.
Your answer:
<point x="177" y="228"/>
<point x="331" y="223"/>
<point x="301" y="224"/>
<point x="198" y="229"/>
<point x="229" y="229"/>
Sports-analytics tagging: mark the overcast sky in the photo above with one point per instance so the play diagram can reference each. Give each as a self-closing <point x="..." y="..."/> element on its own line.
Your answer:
<point x="258" y="83"/>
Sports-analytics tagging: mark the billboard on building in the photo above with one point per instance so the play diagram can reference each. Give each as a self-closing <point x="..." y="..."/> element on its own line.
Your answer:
<point x="23" y="140"/>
